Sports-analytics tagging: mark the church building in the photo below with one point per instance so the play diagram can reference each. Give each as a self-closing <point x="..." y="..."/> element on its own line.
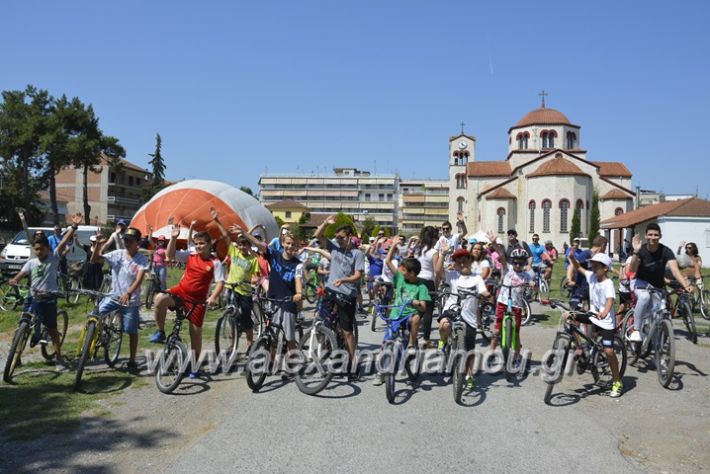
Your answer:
<point x="545" y="176"/>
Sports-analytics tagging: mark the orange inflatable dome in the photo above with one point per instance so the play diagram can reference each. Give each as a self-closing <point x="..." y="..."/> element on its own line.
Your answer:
<point x="192" y="199"/>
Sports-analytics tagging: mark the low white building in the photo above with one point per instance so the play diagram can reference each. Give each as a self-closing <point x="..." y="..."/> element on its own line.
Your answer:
<point x="683" y="220"/>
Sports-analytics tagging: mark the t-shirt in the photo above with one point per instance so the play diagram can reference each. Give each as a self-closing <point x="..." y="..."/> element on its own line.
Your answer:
<point x="495" y="260"/>
<point x="199" y="273"/>
<point x="537" y="251"/>
<point x="518" y="280"/>
<point x="344" y="264"/>
<point x="469" y="306"/>
<point x="520" y="244"/>
<point x="426" y="259"/>
<point x="241" y="269"/>
<point x="403" y="250"/>
<point x="376" y="264"/>
<point x="160" y="257"/>
<point x="582" y="256"/>
<point x="405" y="291"/>
<point x="282" y="277"/>
<point x="54" y="241"/>
<point x="275" y="244"/>
<point x="477" y="267"/>
<point x="599" y="292"/>
<point x="453" y="242"/>
<point x="43" y="275"/>
<point x="653" y="264"/>
<point x="124" y="271"/>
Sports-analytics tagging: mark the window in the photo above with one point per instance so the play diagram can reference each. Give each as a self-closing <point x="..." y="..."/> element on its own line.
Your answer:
<point x="112" y="178"/>
<point x="571" y="140"/>
<point x="460" y="181"/>
<point x="564" y="211"/>
<point x="381" y="197"/>
<point x="501" y="218"/>
<point x="288" y="214"/>
<point x="130" y="180"/>
<point x="522" y="139"/>
<point x="707" y="238"/>
<point x="618" y="211"/>
<point x="459" y="202"/>
<point x="367" y="196"/>
<point x="531" y="206"/>
<point x="546" y="206"/>
<point x="389" y="197"/>
<point x="548" y="138"/>
<point x="580" y="205"/>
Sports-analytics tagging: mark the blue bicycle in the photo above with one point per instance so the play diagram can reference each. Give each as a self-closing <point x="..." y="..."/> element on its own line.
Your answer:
<point x="394" y="347"/>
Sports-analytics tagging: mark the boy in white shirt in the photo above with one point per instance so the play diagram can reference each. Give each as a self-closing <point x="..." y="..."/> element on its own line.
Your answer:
<point x="601" y="302"/>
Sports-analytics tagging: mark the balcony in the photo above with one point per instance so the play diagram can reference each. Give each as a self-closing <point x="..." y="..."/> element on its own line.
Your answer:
<point x="123" y="200"/>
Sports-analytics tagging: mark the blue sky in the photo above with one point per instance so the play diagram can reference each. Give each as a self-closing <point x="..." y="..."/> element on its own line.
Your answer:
<point x="237" y="89"/>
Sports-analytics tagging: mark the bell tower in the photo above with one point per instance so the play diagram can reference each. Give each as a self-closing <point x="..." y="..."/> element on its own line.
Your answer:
<point x="462" y="150"/>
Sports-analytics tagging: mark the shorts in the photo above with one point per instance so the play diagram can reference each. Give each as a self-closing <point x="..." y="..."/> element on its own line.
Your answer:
<point x="197" y="315"/>
<point x="500" y="311"/>
<point x="607" y="335"/>
<point x="46" y="310"/>
<point x="469" y="337"/>
<point x="129" y="314"/>
<point x="245" y="304"/>
<point x="625" y="298"/>
<point x="343" y="306"/>
<point x="287" y="321"/>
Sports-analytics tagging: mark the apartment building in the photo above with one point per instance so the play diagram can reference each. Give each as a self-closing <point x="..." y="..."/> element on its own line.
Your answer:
<point x="114" y="193"/>
<point x="422" y="202"/>
<point x="349" y="190"/>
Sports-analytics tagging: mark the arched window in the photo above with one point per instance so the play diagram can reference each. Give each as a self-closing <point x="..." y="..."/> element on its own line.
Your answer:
<point x="580" y="205"/>
<point x="546" y="206"/>
<point x="543" y="135"/>
<point x="531" y="207"/>
<point x="618" y="211"/>
<point x="459" y="204"/>
<point x="460" y="181"/>
<point x="564" y="211"/>
<point x="456" y="158"/>
<point x="501" y="219"/>
<point x="464" y="157"/>
<point x="571" y="140"/>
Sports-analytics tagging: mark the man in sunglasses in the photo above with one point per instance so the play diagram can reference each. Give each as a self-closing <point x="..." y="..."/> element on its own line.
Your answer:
<point x="453" y="242"/>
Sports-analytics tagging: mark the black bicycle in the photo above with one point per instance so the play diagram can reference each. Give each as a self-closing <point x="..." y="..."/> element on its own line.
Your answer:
<point x="30" y="328"/>
<point x="592" y="356"/>
<point x="271" y="341"/>
<point x="229" y="328"/>
<point x="173" y="361"/>
<point x="154" y="287"/>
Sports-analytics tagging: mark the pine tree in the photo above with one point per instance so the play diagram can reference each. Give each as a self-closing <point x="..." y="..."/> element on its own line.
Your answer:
<point x="158" y="166"/>
<point x="594" y="217"/>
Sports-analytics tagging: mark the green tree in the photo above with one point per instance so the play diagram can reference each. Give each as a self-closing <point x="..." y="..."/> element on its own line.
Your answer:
<point x="340" y="219"/>
<point x="279" y="221"/>
<point x="576" y="224"/>
<point x="157" y="164"/>
<point x="594" y="217"/>
<point x="368" y="227"/>
<point x="248" y="190"/>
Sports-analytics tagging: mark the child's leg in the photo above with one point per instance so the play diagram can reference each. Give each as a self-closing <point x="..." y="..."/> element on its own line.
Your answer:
<point x="196" y="339"/>
<point x="444" y="328"/>
<point x="414" y="330"/>
<point x="500" y="309"/>
<point x="518" y="312"/>
<point x="613" y="363"/>
<point x="162" y="302"/>
<point x="56" y="342"/>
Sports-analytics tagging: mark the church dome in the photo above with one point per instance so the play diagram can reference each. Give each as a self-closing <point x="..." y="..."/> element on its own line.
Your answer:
<point x="543" y="116"/>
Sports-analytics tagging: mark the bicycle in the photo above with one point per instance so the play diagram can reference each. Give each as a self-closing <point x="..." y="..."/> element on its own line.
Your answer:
<point x="310" y="288"/>
<point x="229" y="329"/>
<point x="394" y="349"/>
<point x="30" y="322"/>
<point x="101" y="331"/>
<point x="173" y="360"/>
<point x="700" y="299"/>
<point x="681" y="307"/>
<point x="541" y="291"/>
<point x="154" y="286"/>
<point x="317" y="346"/>
<point x="657" y="332"/>
<point x="11" y="297"/>
<point x="592" y="357"/>
<point x="509" y="330"/>
<point x="272" y="338"/>
<point x="382" y="298"/>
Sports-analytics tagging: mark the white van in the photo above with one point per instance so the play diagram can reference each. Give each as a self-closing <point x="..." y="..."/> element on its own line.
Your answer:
<point x="18" y="251"/>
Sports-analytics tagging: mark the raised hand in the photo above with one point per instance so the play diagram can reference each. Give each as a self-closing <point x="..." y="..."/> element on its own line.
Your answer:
<point x="171" y="219"/>
<point x="150" y="228"/>
<point x="77" y="218"/>
<point x="193" y="223"/>
<point x="175" y="232"/>
<point x="330" y="220"/>
<point x="636" y="243"/>
<point x="459" y="216"/>
<point x="235" y="229"/>
<point x="491" y="236"/>
<point x="100" y="238"/>
<point x="213" y="214"/>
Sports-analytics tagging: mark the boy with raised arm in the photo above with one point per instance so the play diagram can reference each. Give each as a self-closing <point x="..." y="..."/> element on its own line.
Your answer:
<point x="43" y="272"/>
<point x="128" y="266"/>
<point x="200" y="269"/>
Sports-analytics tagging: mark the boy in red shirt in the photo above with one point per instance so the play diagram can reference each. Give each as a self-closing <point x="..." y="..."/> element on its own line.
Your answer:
<point x="200" y="269"/>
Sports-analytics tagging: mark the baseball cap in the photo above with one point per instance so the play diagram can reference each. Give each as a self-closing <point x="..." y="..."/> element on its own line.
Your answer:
<point x="473" y="240"/>
<point x="121" y="222"/>
<point x="371" y="239"/>
<point x="92" y="238"/>
<point x="133" y="233"/>
<point x="602" y="258"/>
<point x="460" y="253"/>
<point x="161" y="238"/>
<point x="548" y="242"/>
<point x="513" y="232"/>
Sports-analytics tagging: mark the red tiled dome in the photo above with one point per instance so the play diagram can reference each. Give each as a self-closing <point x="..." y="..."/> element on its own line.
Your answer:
<point x="543" y="116"/>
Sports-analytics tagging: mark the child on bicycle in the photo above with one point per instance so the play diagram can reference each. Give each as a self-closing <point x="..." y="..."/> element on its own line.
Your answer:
<point x="601" y="302"/>
<point x="128" y="266"/>
<point x="463" y="278"/>
<point x="200" y="269"/>
<point x="515" y="279"/>
<point x="43" y="272"/>
<point x="243" y="272"/>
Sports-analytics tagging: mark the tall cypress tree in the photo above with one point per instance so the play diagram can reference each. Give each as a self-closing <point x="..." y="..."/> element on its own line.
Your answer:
<point x="158" y="166"/>
<point x="576" y="224"/>
<point x="594" y="217"/>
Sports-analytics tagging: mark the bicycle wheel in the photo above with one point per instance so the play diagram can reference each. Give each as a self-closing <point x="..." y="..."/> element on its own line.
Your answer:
<point x="600" y="368"/>
<point x="389" y="368"/>
<point x="526" y="313"/>
<point x="74" y="287"/>
<point x="374" y="315"/>
<point x="256" y="317"/>
<point x="4" y="288"/>
<point x="705" y="304"/>
<point x="226" y="335"/>
<point x="171" y="365"/>
<point x="150" y="294"/>
<point x="19" y="341"/>
<point x="689" y="320"/>
<point x="47" y="347"/>
<point x="487" y="315"/>
<point x="506" y="341"/>
<point x="459" y="365"/>
<point x="554" y="365"/>
<point x="85" y="352"/>
<point x="316" y="347"/>
<point x="543" y="293"/>
<point x="632" y="348"/>
<point x="258" y="364"/>
<point x="664" y="348"/>
<point x="113" y="337"/>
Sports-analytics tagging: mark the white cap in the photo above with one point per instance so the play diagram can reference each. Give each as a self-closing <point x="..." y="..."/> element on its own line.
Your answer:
<point x="602" y="258"/>
<point x="92" y="238"/>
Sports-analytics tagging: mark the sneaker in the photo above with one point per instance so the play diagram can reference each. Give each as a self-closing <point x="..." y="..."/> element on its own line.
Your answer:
<point x="379" y="380"/>
<point x="441" y="345"/>
<point x="411" y="350"/>
<point x="635" y="336"/>
<point x="354" y="373"/>
<point x="194" y="375"/>
<point x="132" y="367"/>
<point x="428" y="344"/>
<point x="158" y="337"/>
<point x="470" y="382"/>
<point x="616" y="389"/>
